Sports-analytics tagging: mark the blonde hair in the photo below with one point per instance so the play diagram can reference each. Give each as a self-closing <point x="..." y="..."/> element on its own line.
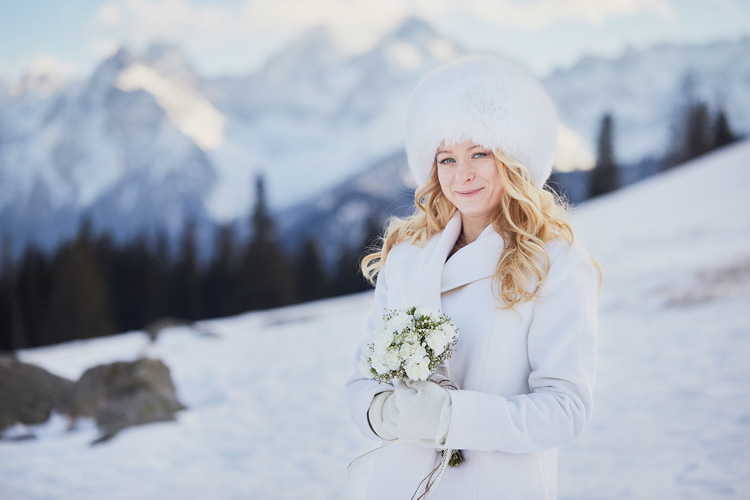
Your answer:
<point x="527" y="217"/>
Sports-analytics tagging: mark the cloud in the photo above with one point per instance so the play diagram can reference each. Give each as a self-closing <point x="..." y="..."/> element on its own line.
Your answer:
<point x="258" y="21"/>
<point x="141" y="21"/>
<point x="250" y="30"/>
<point x="536" y="15"/>
<point x="240" y="33"/>
<point x="48" y="64"/>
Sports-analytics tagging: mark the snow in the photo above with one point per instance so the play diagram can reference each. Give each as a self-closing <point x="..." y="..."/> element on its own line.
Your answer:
<point x="266" y="413"/>
<point x="192" y="114"/>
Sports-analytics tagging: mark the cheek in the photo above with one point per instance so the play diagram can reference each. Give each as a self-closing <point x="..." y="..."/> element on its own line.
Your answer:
<point x="445" y="183"/>
<point x="494" y="180"/>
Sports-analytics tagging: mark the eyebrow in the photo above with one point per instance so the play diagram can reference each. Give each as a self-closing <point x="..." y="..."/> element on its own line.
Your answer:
<point x="450" y="151"/>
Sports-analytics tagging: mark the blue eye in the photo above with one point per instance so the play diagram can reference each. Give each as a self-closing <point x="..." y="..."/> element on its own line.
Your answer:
<point x="480" y="155"/>
<point x="445" y="161"/>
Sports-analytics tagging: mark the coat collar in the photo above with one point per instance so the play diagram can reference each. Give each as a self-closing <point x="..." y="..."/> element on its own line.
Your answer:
<point x="473" y="262"/>
<point x="430" y="275"/>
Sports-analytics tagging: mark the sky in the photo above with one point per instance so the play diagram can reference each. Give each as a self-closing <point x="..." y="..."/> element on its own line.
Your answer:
<point x="225" y="37"/>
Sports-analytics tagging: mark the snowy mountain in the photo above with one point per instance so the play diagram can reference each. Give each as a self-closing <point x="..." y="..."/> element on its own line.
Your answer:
<point x="266" y="414"/>
<point x="342" y="213"/>
<point x="643" y="90"/>
<point x="312" y="117"/>
<point x="126" y="146"/>
<point x="146" y="144"/>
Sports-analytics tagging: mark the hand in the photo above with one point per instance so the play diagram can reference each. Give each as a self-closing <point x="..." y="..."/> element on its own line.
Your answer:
<point x="418" y="411"/>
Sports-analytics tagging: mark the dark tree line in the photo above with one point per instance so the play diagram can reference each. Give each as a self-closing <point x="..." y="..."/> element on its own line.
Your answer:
<point x="91" y="287"/>
<point x="695" y="131"/>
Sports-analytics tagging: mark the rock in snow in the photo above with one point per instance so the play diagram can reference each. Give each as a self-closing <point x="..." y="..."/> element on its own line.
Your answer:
<point x="123" y="394"/>
<point x="28" y="393"/>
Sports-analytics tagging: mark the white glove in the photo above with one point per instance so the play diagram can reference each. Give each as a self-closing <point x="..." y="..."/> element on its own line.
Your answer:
<point x="418" y="411"/>
<point x="375" y="416"/>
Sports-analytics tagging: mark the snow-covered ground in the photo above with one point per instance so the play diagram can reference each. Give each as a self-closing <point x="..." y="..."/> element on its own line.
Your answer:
<point x="267" y="417"/>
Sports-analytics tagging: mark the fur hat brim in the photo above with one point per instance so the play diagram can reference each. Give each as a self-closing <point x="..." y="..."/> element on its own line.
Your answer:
<point x="490" y="101"/>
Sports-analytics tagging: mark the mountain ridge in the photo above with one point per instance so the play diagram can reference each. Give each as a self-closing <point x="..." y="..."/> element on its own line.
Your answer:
<point x="146" y="144"/>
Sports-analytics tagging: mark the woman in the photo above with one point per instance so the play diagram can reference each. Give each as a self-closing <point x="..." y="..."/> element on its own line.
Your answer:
<point x="492" y="250"/>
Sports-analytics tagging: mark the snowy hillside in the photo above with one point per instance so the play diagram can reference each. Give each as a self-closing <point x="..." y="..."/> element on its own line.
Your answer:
<point x="267" y="417"/>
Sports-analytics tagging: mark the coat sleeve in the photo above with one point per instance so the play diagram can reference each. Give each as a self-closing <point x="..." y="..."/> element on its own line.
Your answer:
<point x="360" y="390"/>
<point x="562" y="357"/>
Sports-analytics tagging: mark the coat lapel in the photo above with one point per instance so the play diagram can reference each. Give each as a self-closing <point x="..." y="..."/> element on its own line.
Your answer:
<point x="473" y="262"/>
<point x="428" y="275"/>
<point x="420" y="280"/>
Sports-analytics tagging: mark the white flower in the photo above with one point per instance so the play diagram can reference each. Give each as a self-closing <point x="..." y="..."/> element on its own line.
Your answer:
<point x="391" y="359"/>
<point x="382" y="337"/>
<point x="437" y="340"/>
<point x="411" y="352"/>
<point x="378" y="364"/>
<point x="450" y="331"/>
<point x="398" y="322"/>
<point x="418" y="369"/>
<point x="427" y="312"/>
<point x="410" y="336"/>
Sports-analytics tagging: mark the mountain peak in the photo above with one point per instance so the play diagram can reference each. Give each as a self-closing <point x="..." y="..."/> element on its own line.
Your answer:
<point x="168" y="59"/>
<point x="105" y="75"/>
<point x="312" y="52"/>
<point x="412" y="28"/>
<point x="316" y="46"/>
<point x="413" y="43"/>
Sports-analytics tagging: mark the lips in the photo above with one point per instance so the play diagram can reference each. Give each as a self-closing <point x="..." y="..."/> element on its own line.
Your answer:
<point x="468" y="194"/>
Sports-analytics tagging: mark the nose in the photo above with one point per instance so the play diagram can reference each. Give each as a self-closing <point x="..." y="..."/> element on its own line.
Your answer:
<point x="465" y="171"/>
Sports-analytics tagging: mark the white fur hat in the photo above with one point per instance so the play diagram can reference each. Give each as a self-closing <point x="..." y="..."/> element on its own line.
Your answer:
<point x="488" y="100"/>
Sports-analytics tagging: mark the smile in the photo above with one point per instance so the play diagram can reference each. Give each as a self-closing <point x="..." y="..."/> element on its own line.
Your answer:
<point x="468" y="194"/>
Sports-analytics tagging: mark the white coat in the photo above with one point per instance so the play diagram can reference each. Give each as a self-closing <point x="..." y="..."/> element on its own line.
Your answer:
<point x="526" y="375"/>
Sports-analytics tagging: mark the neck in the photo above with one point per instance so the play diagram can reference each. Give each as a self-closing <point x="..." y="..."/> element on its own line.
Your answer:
<point x="472" y="228"/>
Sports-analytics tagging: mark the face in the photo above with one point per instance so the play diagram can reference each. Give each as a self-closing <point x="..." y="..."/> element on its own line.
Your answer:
<point x="469" y="178"/>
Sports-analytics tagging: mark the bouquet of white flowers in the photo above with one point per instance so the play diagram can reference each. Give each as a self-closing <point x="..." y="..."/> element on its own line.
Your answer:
<point x="409" y="344"/>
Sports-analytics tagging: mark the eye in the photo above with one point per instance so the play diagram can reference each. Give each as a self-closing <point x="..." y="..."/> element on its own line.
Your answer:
<point x="446" y="161"/>
<point x="480" y="154"/>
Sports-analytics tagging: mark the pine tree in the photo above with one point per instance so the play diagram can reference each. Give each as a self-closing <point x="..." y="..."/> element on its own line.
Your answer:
<point x="160" y="279"/>
<point x="605" y="177"/>
<point x="13" y="334"/>
<point x="189" y="287"/>
<point x="220" y="276"/>
<point x="692" y="131"/>
<point x="349" y="277"/>
<point x="724" y="134"/>
<point x="33" y="284"/>
<point x="311" y="276"/>
<point x="265" y="273"/>
<point x="700" y="140"/>
<point x="137" y="289"/>
<point x="80" y="297"/>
